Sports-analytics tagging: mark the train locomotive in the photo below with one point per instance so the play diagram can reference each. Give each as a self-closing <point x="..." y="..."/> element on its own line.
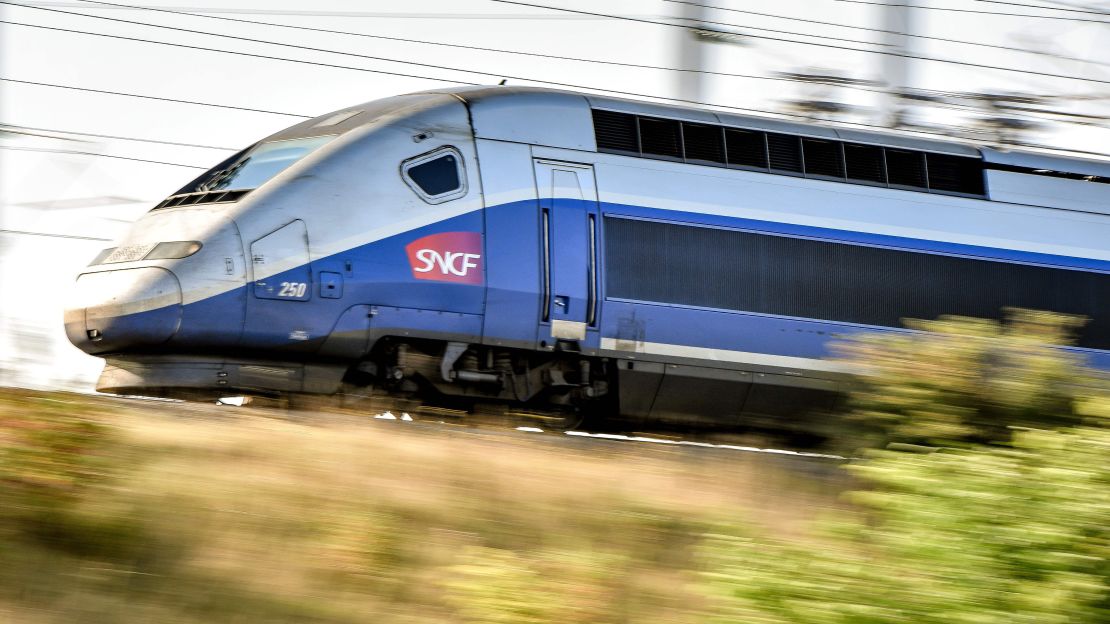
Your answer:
<point x="540" y="248"/>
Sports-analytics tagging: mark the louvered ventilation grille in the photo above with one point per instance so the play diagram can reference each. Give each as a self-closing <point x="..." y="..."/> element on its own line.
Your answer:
<point x="659" y="137"/>
<point x="719" y="146"/>
<point x="952" y="173"/>
<point x="204" y="197"/>
<point x="785" y="151"/>
<point x="823" y="158"/>
<point x="746" y="148"/>
<point x="704" y="144"/>
<point x="905" y="168"/>
<point x="615" y="131"/>
<point x="865" y="163"/>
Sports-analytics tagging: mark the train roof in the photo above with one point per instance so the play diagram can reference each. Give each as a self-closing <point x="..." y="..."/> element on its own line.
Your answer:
<point x="519" y="113"/>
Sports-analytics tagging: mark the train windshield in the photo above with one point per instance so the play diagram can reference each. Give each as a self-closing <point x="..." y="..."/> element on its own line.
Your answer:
<point x="254" y="166"/>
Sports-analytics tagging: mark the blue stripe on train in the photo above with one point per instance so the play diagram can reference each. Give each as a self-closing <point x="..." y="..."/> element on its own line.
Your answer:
<point x="380" y="275"/>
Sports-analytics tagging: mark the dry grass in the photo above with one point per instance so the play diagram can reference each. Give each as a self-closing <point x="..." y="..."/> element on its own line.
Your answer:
<point x="245" y="515"/>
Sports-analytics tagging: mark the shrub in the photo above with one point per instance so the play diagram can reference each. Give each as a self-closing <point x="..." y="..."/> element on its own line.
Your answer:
<point x="1000" y="511"/>
<point x="961" y="380"/>
<point x="990" y="534"/>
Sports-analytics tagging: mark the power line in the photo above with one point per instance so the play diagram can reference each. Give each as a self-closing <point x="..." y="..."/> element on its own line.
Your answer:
<point x="78" y="153"/>
<point x="110" y="136"/>
<point x="455" y="16"/>
<point x="315" y="49"/>
<point x="995" y="13"/>
<point x="471" y="70"/>
<point x="772" y="30"/>
<point x="151" y="97"/>
<point x="50" y="235"/>
<point x="523" y="78"/>
<point x="357" y="14"/>
<point x="459" y="46"/>
<point x="781" y="32"/>
<point x="249" y="54"/>
<point x="330" y="31"/>
<point x="548" y="82"/>
<point x="1027" y="72"/>
<point x="1034" y="6"/>
<point x="880" y="30"/>
<point x="458" y="69"/>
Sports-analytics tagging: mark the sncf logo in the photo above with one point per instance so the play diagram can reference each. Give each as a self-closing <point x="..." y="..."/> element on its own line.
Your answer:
<point x="447" y="257"/>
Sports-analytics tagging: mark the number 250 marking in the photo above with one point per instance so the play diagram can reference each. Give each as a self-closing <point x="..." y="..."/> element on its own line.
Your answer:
<point x="293" y="289"/>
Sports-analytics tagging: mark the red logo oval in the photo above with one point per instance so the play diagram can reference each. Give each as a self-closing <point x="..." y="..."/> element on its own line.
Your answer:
<point x="447" y="257"/>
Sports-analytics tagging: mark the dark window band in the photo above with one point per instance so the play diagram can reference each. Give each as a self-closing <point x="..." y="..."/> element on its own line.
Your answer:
<point x="770" y="274"/>
<point x="786" y="154"/>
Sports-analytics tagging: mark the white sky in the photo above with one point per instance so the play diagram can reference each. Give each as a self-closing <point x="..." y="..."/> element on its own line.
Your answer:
<point x="97" y="197"/>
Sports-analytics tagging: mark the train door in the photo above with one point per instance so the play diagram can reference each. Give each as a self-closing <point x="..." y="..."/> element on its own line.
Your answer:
<point x="569" y="241"/>
<point x="278" y="313"/>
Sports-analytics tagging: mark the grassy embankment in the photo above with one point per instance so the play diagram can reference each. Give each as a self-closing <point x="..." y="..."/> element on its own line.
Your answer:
<point x="172" y="513"/>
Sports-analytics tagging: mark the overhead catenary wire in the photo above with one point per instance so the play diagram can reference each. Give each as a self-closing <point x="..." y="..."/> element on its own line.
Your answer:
<point x="878" y="30"/>
<point x="152" y="97"/>
<point x="548" y="56"/>
<point x="757" y="28"/>
<point x="251" y="39"/>
<point x="465" y="70"/>
<point x="917" y="57"/>
<point x="527" y="79"/>
<point x="377" y="58"/>
<point x="1055" y="8"/>
<point x="487" y="16"/>
<point x="420" y="15"/>
<point x="248" y="54"/>
<point x="954" y="10"/>
<point x="462" y="46"/>
<point x="80" y="153"/>
<point x="804" y="118"/>
<point x="8" y="127"/>
<point x="52" y="235"/>
<point x="473" y="71"/>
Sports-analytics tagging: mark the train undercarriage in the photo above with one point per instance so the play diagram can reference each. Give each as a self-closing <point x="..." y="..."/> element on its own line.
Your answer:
<point x="558" y="389"/>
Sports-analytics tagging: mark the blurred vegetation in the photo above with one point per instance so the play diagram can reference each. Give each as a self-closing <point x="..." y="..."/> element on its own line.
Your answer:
<point x="961" y="381"/>
<point x="986" y="499"/>
<point x="989" y="503"/>
<point x="215" y="514"/>
<point x="984" y="535"/>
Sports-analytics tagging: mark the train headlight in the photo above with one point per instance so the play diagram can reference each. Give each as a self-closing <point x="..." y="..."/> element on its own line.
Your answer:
<point x="173" y="250"/>
<point x="162" y="251"/>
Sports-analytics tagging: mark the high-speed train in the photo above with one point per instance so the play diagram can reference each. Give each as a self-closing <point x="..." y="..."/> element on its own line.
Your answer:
<point x="568" y="251"/>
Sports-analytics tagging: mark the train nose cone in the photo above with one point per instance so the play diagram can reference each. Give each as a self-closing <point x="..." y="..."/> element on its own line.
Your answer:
<point x="124" y="310"/>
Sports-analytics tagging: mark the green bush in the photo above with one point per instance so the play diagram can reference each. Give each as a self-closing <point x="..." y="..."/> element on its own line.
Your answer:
<point x="984" y="535"/>
<point x="999" y="510"/>
<point x="964" y="381"/>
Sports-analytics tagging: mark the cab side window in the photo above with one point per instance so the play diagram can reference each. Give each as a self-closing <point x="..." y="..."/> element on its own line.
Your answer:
<point x="437" y="176"/>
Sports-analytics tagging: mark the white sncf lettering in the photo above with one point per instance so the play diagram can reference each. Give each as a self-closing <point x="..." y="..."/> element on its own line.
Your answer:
<point x="451" y="262"/>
